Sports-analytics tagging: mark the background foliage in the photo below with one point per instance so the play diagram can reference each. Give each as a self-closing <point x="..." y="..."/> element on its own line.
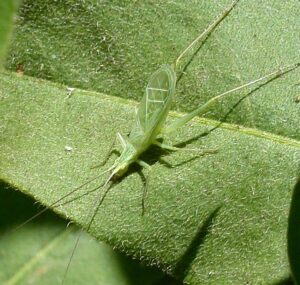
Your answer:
<point x="216" y="219"/>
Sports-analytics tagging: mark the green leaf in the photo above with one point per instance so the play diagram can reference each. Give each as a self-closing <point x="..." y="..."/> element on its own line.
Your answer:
<point x="7" y="10"/>
<point x="294" y="234"/>
<point x="39" y="252"/>
<point x="214" y="219"/>
<point x="114" y="46"/>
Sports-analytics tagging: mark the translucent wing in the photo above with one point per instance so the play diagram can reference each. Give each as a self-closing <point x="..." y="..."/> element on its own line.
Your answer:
<point x="155" y="104"/>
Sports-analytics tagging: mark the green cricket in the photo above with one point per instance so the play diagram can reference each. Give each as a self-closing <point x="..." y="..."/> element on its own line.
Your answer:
<point x="150" y="122"/>
<point x="153" y="109"/>
<point x="151" y="115"/>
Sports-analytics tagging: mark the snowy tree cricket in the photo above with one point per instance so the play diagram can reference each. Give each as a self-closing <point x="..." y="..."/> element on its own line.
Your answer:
<point x="151" y="116"/>
<point x="150" y="122"/>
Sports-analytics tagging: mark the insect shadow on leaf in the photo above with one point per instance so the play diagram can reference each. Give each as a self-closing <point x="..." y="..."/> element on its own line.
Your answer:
<point x="183" y="266"/>
<point x="293" y="233"/>
<point x="285" y="281"/>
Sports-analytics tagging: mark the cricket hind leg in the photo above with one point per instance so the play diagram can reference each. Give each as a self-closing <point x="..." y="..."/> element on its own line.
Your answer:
<point x="202" y="38"/>
<point x="210" y="103"/>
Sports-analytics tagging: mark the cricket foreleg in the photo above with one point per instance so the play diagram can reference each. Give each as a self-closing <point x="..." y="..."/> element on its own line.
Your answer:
<point x="145" y="192"/>
<point x="108" y="154"/>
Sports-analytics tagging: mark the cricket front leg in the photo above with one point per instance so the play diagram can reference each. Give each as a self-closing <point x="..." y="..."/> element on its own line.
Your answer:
<point x="108" y="154"/>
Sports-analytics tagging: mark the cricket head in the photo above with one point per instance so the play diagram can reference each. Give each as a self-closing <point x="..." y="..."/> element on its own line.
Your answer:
<point x="122" y="163"/>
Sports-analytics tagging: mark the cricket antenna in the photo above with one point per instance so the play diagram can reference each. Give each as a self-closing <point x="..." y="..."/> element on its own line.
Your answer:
<point x="93" y="211"/>
<point x="203" y="36"/>
<point x="62" y="198"/>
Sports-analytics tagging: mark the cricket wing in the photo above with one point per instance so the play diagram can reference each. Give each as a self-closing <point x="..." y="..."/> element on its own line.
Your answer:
<point x="155" y="104"/>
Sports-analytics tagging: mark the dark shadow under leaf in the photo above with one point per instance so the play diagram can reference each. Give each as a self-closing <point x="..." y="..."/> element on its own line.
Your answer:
<point x="293" y="234"/>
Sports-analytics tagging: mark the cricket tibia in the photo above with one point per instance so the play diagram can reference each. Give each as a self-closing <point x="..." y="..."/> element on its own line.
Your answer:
<point x="202" y="37"/>
<point x="209" y="104"/>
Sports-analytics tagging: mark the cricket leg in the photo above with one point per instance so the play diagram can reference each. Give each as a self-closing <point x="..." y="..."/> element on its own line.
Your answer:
<point x="202" y="37"/>
<point x="166" y="146"/>
<point x="108" y="154"/>
<point x="145" y="192"/>
<point x="174" y="148"/>
<point x="209" y="104"/>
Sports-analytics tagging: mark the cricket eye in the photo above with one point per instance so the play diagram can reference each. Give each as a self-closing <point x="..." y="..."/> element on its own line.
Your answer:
<point x="122" y="170"/>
